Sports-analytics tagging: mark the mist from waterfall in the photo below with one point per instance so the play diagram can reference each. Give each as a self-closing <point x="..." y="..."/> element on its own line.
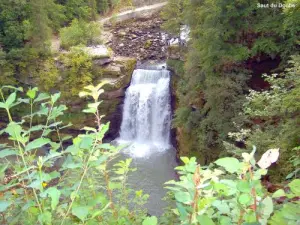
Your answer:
<point x="147" y="113"/>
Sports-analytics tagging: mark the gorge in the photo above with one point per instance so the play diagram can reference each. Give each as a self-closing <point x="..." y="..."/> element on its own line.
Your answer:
<point x="149" y="112"/>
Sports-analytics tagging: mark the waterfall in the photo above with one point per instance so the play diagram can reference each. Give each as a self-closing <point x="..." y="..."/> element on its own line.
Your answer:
<point x="147" y="113"/>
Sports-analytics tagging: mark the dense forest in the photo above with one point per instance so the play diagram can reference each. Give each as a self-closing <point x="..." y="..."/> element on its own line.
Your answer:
<point x="236" y="93"/>
<point x="228" y="93"/>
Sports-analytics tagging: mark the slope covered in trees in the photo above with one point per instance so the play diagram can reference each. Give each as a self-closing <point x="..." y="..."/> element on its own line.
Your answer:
<point x="27" y="28"/>
<point x="229" y="39"/>
<point x="240" y="131"/>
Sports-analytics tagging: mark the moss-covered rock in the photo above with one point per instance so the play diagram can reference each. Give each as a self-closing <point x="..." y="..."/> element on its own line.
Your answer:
<point x="176" y="52"/>
<point x="113" y="96"/>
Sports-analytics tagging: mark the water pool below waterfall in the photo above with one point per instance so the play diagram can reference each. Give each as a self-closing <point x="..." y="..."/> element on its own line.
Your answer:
<point x="145" y="129"/>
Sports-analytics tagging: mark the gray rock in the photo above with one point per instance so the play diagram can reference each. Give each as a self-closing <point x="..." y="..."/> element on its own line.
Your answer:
<point x="101" y="62"/>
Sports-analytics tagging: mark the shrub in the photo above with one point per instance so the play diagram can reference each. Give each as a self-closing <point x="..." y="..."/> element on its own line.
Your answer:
<point x="78" y="73"/>
<point x="229" y="192"/>
<point x="80" y="32"/>
<point x="68" y="184"/>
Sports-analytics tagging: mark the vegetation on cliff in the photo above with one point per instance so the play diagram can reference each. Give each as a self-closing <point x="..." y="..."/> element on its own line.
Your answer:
<point x="71" y="183"/>
<point x="50" y="176"/>
<point x="228" y="40"/>
<point x="27" y="27"/>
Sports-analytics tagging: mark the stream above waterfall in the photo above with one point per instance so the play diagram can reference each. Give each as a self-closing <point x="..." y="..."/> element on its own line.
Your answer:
<point x="145" y="130"/>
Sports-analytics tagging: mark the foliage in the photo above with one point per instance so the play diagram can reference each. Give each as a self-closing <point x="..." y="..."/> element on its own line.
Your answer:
<point x="66" y="184"/>
<point x="12" y="26"/>
<point x="273" y="116"/>
<point x="39" y="31"/>
<point x="48" y="76"/>
<point x="78" y="33"/>
<point x="225" y="36"/>
<point x="53" y="182"/>
<point x="174" y="16"/>
<point x="229" y="191"/>
<point x="102" y="6"/>
<point x="6" y="71"/>
<point x="78" y="66"/>
<point x="78" y="9"/>
<point x="23" y="21"/>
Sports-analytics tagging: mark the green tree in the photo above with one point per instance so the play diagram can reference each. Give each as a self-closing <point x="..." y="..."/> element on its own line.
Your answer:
<point x="93" y="7"/>
<point x="6" y="71"/>
<point x="78" y="74"/>
<point x="102" y="6"/>
<point x="174" y="16"/>
<point x="272" y="117"/>
<point x="12" y="26"/>
<point x="80" y="32"/>
<point x="224" y="36"/>
<point x="39" y="33"/>
<point x="77" y="9"/>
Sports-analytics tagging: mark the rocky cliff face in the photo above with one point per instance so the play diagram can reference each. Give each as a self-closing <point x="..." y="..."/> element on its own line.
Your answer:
<point x="117" y="71"/>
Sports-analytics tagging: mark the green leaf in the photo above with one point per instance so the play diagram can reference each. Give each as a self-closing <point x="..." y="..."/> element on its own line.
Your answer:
<point x="205" y="220"/>
<point x="222" y="207"/>
<point x="89" y="129"/>
<point x="14" y="130"/>
<point x="45" y="218"/>
<point x="279" y="193"/>
<point x="267" y="210"/>
<point x="225" y="220"/>
<point x="70" y="164"/>
<point x="31" y="93"/>
<point x="183" y="197"/>
<point x="83" y="94"/>
<point x="4" y="205"/>
<point x="106" y="146"/>
<point x="185" y="160"/>
<point x="87" y="143"/>
<point x="7" y="152"/>
<point x="243" y="186"/>
<point x="99" y="212"/>
<point x="37" y="143"/>
<point x="13" y="88"/>
<point x="55" y="97"/>
<point x="103" y="129"/>
<point x="232" y="165"/>
<point x="94" y="105"/>
<point x="90" y="110"/>
<point x="254" y="223"/>
<point x="10" y="100"/>
<point x="41" y="97"/>
<point x="2" y="105"/>
<point x="23" y="100"/>
<point x="54" y="195"/>
<point x="66" y="137"/>
<point x="35" y="128"/>
<point x="150" y="221"/>
<point x="115" y="185"/>
<point x="81" y="212"/>
<point x="36" y="184"/>
<point x="57" y="111"/>
<point x="295" y="186"/>
<point x="2" y="171"/>
<point x="244" y="199"/>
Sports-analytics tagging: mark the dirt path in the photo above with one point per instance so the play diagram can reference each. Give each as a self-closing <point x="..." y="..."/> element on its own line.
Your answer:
<point x="134" y="13"/>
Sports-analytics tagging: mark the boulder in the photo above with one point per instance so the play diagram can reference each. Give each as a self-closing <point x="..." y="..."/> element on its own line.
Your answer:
<point x="101" y="62"/>
<point x="98" y="51"/>
<point x="112" y="70"/>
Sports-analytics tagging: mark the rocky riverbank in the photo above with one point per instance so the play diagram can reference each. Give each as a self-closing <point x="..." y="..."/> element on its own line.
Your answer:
<point x="142" y="39"/>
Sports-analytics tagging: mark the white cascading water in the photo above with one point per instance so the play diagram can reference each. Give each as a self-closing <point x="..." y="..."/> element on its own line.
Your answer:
<point x="147" y="113"/>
